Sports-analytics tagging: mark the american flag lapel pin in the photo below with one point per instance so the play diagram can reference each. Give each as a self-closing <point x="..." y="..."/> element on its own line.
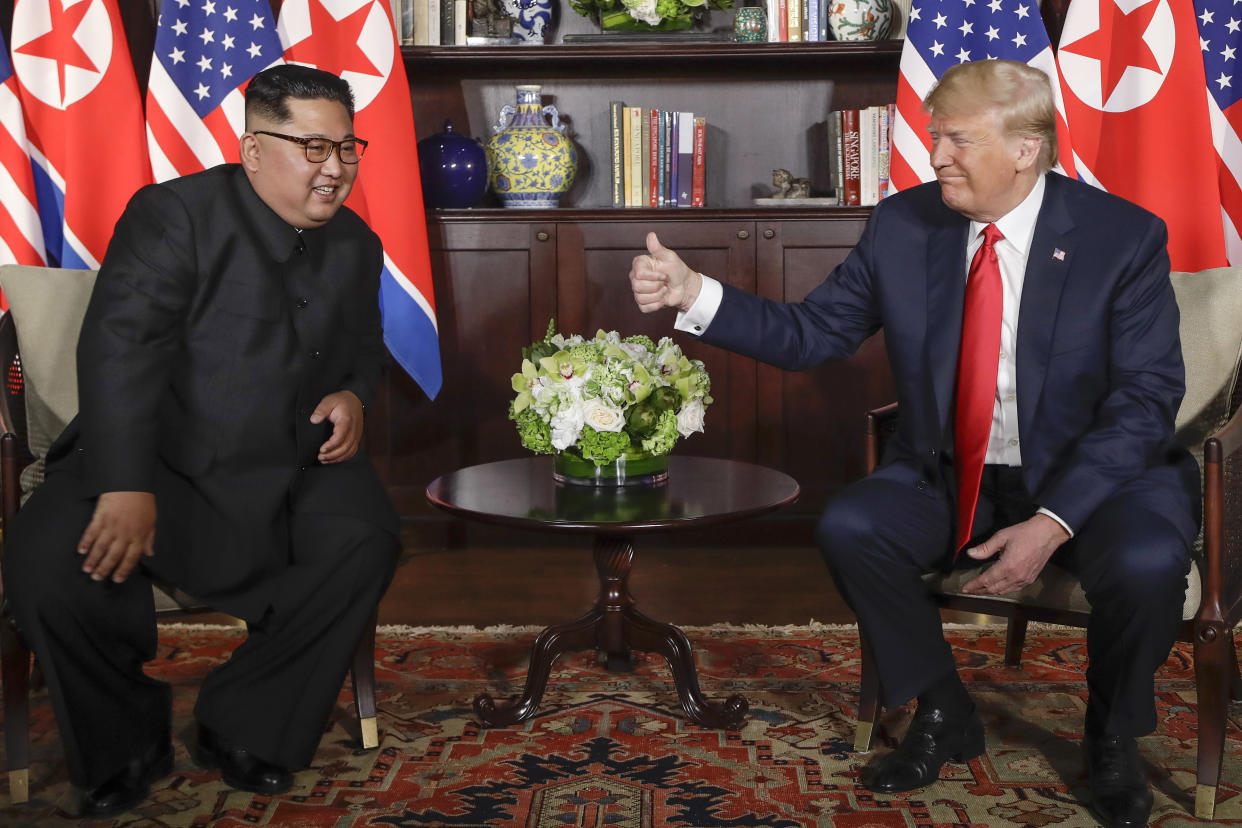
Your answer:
<point x="1058" y="254"/>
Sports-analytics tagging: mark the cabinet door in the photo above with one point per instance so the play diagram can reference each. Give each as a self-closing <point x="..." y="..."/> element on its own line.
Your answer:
<point x="811" y="422"/>
<point x="495" y="284"/>
<point x="593" y="291"/>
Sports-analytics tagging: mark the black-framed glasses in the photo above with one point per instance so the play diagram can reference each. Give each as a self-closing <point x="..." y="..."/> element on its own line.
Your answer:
<point x="319" y="150"/>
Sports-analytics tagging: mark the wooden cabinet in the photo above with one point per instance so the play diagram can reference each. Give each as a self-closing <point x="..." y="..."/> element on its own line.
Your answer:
<point x="500" y="275"/>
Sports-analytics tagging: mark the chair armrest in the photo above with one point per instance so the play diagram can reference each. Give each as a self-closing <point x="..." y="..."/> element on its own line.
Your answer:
<point x="881" y="422"/>
<point x="1222" y="525"/>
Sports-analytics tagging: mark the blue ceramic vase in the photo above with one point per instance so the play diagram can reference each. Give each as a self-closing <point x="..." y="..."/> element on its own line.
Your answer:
<point x="531" y="19"/>
<point x="453" y="169"/>
<point x="532" y="161"/>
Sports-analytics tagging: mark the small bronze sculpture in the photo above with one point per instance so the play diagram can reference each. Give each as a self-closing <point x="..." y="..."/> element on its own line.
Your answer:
<point x="789" y="187"/>
<point x="488" y="19"/>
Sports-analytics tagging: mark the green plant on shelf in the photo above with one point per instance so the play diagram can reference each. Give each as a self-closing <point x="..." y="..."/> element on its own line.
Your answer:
<point x="646" y="15"/>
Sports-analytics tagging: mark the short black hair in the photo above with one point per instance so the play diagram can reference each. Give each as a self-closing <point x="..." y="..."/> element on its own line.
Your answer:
<point x="269" y="91"/>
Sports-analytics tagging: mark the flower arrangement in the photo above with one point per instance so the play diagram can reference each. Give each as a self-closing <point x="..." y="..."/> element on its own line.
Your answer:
<point x="605" y="398"/>
<point x="645" y="15"/>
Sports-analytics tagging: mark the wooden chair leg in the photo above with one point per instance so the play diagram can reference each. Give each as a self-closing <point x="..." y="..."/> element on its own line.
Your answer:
<point x="1015" y="637"/>
<point x="868" y="697"/>
<point x="1213" y="646"/>
<point x="15" y="676"/>
<point x="363" y="671"/>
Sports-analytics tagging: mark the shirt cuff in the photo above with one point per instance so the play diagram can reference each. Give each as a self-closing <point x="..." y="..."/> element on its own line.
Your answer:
<point x="703" y="311"/>
<point x="1042" y="511"/>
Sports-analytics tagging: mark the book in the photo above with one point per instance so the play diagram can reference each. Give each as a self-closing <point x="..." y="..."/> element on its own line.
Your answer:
<point x="849" y="150"/>
<point x="653" y="158"/>
<point x="839" y="161"/>
<point x="866" y="157"/>
<point x="772" y="11"/>
<point x="794" y="14"/>
<point x="812" y="19"/>
<point x="448" y="10"/>
<point x="833" y="151"/>
<point x="670" y="153"/>
<point x="699" y="175"/>
<point x="627" y="173"/>
<point x="636" y="157"/>
<point x="460" y="21"/>
<point x="685" y="157"/>
<point x="883" y="147"/>
<point x="673" y="149"/>
<point x="433" y="22"/>
<point x="782" y="20"/>
<point x="644" y="163"/>
<point x="616" y="151"/>
<point x="662" y="160"/>
<point x="418" y="16"/>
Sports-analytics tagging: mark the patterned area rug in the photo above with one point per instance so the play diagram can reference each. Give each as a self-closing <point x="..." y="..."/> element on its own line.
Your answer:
<point x="613" y="749"/>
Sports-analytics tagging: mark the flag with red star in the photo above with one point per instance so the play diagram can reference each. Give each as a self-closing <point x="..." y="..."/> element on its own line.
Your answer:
<point x="944" y="33"/>
<point x="355" y="39"/>
<point x="206" y="51"/>
<point x="1134" y="87"/>
<point x="83" y="120"/>
<point x="21" y="236"/>
<point x="1220" y="38"/>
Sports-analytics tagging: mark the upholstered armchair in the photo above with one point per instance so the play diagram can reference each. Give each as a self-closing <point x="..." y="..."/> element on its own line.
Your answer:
<point x="38" y="398"/>
<point x="1209" y="423"/>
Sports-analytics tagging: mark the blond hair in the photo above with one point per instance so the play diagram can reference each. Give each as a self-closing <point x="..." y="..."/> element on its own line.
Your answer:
<point x="1020" y="94"/>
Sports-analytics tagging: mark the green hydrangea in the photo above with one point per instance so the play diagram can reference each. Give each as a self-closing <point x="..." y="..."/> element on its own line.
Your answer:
<point x="589" y="352"/>
<point x="535" y="434"/>
<point x="641" y="339"/>
<point x="602" y="447"/>
<point x="663" y="436"/>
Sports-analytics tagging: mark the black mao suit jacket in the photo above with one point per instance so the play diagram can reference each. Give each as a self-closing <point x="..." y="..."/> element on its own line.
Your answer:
<point x="214" y="330"/>
<point x="1099" y="363"/>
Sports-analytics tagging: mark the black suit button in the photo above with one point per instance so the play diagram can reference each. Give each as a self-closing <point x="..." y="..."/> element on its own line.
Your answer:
<point x="921" y="485"/>
<point x="932" y="452"/>
<point x="302" y="302"/>
<point x="301" y="468"/>
<point x="314" y="354"/>
<point x="301" y="247"/>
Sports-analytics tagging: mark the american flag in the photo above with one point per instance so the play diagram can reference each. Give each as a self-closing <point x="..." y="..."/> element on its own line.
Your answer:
<point x="21" y="235"/>
<point x="205" y="53"/>
<point x="1220" y="38"/>
<point x="944" y="33"/>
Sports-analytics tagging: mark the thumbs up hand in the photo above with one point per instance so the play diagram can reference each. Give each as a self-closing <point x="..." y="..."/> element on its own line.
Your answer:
<point x="660" y="279"/>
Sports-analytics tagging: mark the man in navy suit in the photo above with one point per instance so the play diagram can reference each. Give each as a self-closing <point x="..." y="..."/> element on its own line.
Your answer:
<point x="1077" y="462"/>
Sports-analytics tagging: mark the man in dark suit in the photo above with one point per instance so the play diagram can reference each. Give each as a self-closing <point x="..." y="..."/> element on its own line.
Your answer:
<point x="1033" y="336"/>
<point x="231" y="343"/>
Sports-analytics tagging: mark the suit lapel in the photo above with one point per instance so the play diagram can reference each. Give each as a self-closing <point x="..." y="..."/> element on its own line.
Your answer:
<point x="1047" y="267"/>
<point x="946" y="291"/>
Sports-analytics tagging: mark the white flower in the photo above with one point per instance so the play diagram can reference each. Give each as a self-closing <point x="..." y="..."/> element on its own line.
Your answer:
<point x="634" y="350"/>
<point x="566" y="426"/>
<point x="690" y="418"/>
<point x="644" y="10"/>
<point x="602" y="417"/>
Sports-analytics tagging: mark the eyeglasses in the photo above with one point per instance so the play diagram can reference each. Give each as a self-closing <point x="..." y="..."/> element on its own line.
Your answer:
<point x="319" y="150"/>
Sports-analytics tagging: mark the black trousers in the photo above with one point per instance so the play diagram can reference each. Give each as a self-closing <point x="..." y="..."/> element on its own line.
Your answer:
<point x="272" y="696"/>
<point x="883" y="533"/>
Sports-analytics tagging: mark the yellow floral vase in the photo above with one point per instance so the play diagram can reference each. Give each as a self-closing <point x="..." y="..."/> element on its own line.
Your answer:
<point x="532" y="161"/>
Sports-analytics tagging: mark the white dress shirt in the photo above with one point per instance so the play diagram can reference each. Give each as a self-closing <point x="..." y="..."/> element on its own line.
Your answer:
<point x="1018" y="228"/>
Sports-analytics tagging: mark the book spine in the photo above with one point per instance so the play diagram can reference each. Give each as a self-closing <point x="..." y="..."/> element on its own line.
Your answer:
<point x="670" y="152"/>
<point x="699" y="184"/>
<point x="636" y="157"/>
<point x="673" y="148"/>
<point x="644" y="160"/>
<point x="418" y="15"/>
<point x="840" y="158"/>
<point x="447" y="21"/>
<point x="833" y="149"/>
<point x="772" y="20"/>
<point x="685" y="158"/>
<point x="782" y="19"/>
<point x="627" y="172"/>
<point x="850" y="149"/>
<point x="812" y="19"/>
<point x="882" y="157"/>
<point x="653" y="158"/>
<point x="460" y="22"/>
<point x="794" y="9"/>
<point x="866" y="157"/>
<point x="615" y="119"/>
<point x="662" y="161"/>
<point x="433" y="22"/>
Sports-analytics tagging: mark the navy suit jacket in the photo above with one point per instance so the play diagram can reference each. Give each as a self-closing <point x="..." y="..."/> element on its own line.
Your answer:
<point x="1099" y="362"/>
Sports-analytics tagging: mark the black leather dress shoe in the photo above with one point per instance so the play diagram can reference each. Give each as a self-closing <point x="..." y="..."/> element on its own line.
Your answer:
<point x="932" y="740"/>
<point x="1120" y="796"/>
<point x="239" y="767"/>
<point x="129" y="787"/>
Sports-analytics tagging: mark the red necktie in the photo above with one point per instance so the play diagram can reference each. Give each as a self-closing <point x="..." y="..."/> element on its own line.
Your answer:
<point x="977" y="363"/>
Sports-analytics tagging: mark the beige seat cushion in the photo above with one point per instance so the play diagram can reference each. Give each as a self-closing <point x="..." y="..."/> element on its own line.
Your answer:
<point x="1211" y="330"/>
<point x="47" y="306"/>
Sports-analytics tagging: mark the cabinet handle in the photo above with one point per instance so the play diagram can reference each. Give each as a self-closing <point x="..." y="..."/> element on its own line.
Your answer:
<point x="541" y="235"/>
<point x="743" y="234"/>
<point x="769" y="233"/>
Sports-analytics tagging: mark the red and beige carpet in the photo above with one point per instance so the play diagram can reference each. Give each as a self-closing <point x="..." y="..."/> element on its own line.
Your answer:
<point x="612" y="750"/>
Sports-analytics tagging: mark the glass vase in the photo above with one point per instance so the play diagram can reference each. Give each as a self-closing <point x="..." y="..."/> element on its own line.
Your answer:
<point x="630" y="469"/>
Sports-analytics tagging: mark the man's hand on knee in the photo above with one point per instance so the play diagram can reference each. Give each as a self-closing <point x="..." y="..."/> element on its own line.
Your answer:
<point x="1023" y="549"/>
<point x="121" y="531"/>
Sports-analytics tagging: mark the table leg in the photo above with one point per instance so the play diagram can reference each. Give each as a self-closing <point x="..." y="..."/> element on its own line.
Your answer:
<point x="613" y="627"/>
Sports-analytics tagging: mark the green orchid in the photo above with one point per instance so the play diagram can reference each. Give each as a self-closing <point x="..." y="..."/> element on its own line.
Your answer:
<point x="523" y="383"/>
<point x="563" y="366"/>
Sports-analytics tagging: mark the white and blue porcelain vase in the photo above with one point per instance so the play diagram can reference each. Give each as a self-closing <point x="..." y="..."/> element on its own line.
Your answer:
<point x="531" y="160"/>
<point x="532" y="19"/>
<point x="860" y="19"/>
